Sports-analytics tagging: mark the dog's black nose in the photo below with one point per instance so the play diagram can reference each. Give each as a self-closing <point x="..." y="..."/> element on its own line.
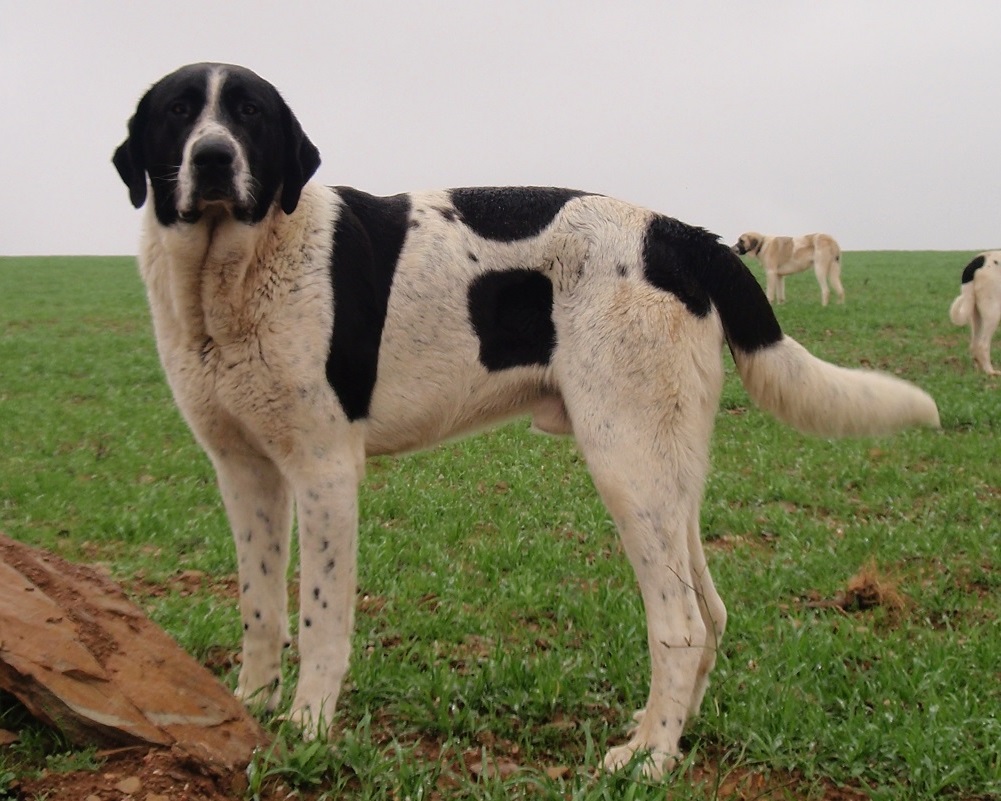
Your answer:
<point x="213" y="154"/>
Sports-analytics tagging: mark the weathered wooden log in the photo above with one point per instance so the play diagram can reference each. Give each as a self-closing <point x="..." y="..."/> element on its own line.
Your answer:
<point x="82" y="657"/>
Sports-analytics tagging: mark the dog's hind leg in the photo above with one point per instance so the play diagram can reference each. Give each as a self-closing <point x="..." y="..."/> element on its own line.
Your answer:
<point x="713" y="615"/>
<point x="653" y="522"/>
<point x="985" y="320"/>
<point x="834" y="274"/>
<point x="822" y="271"/>
<point x="258" y="503"/>
<point x="641" y="394"/>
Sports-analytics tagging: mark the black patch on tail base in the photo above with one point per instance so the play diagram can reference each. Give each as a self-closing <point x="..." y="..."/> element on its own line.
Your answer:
<point x="512" y="314"/>
<point x="693" y="265"/>
<point x="367" y="243"/>
<point x="506" y="214"/>
<point x="972" y="267"/>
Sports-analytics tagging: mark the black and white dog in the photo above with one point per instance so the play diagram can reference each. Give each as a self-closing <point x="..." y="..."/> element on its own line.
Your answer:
<point x="303" y="328"/>
<point x="979" y="306"/>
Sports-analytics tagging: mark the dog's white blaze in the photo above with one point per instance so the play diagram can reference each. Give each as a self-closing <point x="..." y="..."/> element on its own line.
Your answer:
<point x="210" y="123"/>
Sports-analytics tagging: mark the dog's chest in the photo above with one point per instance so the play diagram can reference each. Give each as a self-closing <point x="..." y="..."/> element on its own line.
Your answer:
<point x="246" y="336"/>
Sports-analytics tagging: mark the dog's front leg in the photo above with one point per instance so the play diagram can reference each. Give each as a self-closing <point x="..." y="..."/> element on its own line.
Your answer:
<point x="259" y="505"/>
<point x="327" y="512"/>
<point x="771" y="285"/>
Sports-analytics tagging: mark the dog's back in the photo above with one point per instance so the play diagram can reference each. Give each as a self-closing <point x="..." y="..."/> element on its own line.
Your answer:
<point x="793" y="254"/>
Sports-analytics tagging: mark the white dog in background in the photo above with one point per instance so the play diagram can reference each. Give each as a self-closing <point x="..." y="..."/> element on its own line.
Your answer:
<point x="786" y="255"/>
<point x="979" y="306"/>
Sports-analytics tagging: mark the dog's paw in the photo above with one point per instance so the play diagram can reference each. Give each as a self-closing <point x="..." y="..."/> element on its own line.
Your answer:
<point x="637" y="721"/>
<point x="311" y="726"/>
<point x="264" y="690"/>
<point x="655" y="763"/>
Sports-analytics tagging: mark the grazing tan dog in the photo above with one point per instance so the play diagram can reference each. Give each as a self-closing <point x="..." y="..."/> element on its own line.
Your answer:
<point x="304" y="327"/>
<point x="979" y="306"/>
<point x="786" y="255"/>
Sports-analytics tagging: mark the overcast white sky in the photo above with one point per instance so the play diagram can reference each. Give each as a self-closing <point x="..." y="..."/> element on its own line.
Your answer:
<point x="876" y="121"/>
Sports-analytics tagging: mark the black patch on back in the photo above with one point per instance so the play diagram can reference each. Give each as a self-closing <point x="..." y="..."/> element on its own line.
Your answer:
<point x="971" y="268"/>
<point x="367" y="243"/>
<point x="691" y="264"/>
<point x="506" y="214"/>
<point x="512" y="314"/>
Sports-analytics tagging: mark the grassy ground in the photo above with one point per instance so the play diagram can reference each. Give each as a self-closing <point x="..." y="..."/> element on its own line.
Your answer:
<point x="500" y="640"/>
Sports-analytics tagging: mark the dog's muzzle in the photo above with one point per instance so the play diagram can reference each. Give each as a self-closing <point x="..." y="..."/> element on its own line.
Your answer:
<point x="212" y="160"/>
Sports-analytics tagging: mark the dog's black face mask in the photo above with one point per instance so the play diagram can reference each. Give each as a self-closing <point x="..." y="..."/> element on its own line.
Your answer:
<point x="745" y="246"/>
<point x="249" y="151"/>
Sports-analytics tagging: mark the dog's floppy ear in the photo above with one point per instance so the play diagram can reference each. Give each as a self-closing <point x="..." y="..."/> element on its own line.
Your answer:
<point x="128" y="158"/>
<point x="299" y="160"/>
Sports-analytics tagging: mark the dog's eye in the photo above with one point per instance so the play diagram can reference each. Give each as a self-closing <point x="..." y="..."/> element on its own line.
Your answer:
<point x="179" y="108"/>
<point x="249" y="109"/>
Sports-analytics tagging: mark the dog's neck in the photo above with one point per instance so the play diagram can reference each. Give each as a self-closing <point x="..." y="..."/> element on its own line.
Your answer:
<point x="198" y="270"/>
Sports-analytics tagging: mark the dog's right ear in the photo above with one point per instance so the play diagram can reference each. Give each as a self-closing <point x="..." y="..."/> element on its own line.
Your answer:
<point x="299" y="161"/>
<point x="128" y="158"/>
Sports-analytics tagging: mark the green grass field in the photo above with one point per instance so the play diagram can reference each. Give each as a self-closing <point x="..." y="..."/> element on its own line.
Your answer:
<point x="499" y="623"/>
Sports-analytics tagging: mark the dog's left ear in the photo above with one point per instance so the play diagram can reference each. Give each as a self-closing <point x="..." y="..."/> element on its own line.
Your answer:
<point x="300" y="160"/>
<point x="128" y="158"/>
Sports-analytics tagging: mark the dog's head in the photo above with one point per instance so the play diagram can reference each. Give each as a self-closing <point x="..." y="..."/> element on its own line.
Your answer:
<point x="215" y="138"/>
<point x="749" y="243"/>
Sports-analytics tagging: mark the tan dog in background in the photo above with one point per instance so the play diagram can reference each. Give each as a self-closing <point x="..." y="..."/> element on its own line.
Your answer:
<point x="785" y="255"/>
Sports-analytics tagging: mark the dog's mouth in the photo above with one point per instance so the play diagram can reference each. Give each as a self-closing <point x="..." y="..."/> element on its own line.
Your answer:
<point x="216" y="194"/>
<point x="218" y="198"/>
<point x="215" y="200"/>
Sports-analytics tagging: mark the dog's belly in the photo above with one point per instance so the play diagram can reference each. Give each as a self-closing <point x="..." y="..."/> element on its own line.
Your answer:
<point x="410" y="412"/>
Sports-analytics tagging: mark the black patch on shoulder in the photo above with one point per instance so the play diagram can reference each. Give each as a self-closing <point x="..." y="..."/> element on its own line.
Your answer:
<point x="367" y="243"/>
<point x="512" y="314"/>
<point x="506" y="214"/>
<point x="972" y="267"/>
<point x="691" y="264"/>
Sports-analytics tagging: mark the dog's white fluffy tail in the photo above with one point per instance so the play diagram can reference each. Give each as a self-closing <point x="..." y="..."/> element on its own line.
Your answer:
<point x="819" y="398"/>
<point x="961" y="309"/>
